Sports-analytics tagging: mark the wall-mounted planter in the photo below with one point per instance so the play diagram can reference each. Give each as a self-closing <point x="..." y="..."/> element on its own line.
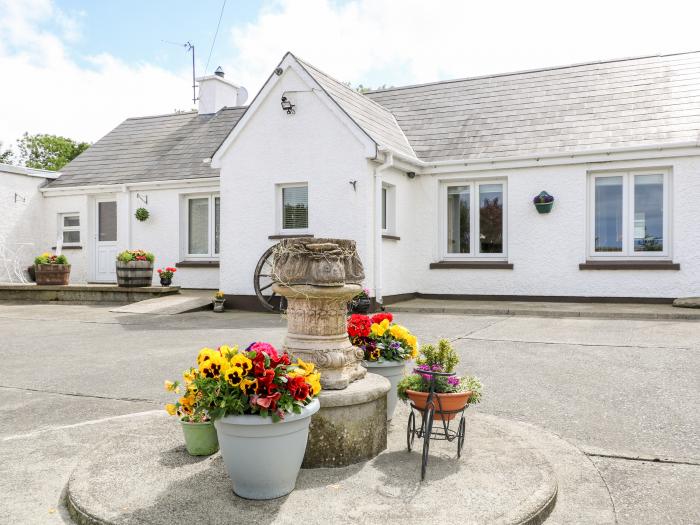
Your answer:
<point x="544" y="202"/>
<point x="141" y="214"/>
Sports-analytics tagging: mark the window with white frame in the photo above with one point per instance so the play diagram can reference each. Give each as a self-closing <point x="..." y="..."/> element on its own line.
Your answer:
<point x="202" y="213"/>
<point x="629" y="214"/>
<point x="69" y="228"/>
<point x="293" y="207"/>
<point x="388" y="209"/>
<point x="474" y="219"/>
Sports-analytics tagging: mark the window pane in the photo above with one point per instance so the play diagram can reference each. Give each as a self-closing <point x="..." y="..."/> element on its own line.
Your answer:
<point x="458" y="219"/>
<point x="608" y="214"/>
<point x="107" y="221"/>
<point x="648" y="213"/>
<point x="198" y="226"/>
<point x="296" y="211"/>
<point x="217" y="213"/>
<point x="491" y="218"/>
<point x="71" y="221"/>
<point x="383" y="208"/>
<point x="71" y="237"/>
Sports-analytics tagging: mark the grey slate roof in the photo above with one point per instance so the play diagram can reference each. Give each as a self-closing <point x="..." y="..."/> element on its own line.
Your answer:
<point x="374" y="119"/>
<point x="640" y="101"/>
<point x="165" y="147"/>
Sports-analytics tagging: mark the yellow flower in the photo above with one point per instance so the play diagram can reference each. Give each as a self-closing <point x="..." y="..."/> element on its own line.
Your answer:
<point x="413" y="343"/>
<point x="170" y="386"/>
<point x="303" y="368"/>
<point x="314" y="381"/>
<point x="214" y="366"/>
<point x="205" y="354"/>
<point x="399" y="332"/>
<point x="248" y="386"/>
<point x="171" y="409"/>
<point x="242" y="362"/>
<point x="46" y="254"/>
<point x="233" y="375"/>
<point x="228" y="351"/>
<point x="381" y="328"/>
<point x="189" y="375"/>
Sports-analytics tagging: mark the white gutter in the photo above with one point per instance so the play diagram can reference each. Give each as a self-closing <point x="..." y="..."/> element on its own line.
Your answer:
<point x="388" y="163"/>
<point x="537" y="157"/>
<point x="114" y="188"/>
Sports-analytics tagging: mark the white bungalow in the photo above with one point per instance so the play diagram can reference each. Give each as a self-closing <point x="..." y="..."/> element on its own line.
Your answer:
<point x="435" y="182"/>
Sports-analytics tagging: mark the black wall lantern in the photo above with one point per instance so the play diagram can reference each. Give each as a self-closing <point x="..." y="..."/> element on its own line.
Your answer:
<point x="287" y="106"/>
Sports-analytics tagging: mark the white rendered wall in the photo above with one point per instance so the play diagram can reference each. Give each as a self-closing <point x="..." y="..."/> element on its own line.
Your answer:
<point x="20" y="219"/>
<point x="547" y="249"/>
<point x="162" y="233"/>
<point x="311" y="146"/>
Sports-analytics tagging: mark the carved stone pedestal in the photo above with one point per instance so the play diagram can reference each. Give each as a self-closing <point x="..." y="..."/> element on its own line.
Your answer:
<point x="318" y="277"/>
<point x="316" y="331"/>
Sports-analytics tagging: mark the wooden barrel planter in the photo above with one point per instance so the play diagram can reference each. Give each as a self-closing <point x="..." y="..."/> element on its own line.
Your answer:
<point x="52" y="274"/>
<point x="134" y="273"/>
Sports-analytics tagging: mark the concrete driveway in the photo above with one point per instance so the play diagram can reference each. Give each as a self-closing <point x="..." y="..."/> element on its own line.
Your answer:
<point x="624" y="392"/>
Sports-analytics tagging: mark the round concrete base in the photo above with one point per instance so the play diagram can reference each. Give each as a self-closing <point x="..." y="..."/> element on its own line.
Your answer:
<point x="351" y="426"/>
<point x="144" y="475"/>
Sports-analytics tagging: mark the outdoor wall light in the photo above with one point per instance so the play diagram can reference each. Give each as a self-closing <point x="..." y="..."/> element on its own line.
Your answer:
<point x="287" y="106"/>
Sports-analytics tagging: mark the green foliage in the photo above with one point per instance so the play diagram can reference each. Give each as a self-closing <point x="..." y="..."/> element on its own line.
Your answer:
<point x="47" y="258"/>
<point x="411" y="382"/>
<point x="142" y="214"/>
<point x="48" y="152"/>
<point x="135" y="255"/>
<point x="444" y="355"/>
<point x="6" y="155"/>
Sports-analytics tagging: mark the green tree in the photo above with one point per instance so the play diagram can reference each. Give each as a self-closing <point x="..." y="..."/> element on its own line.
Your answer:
<point x="48" y="152"/>
<point x="5" y="155"/>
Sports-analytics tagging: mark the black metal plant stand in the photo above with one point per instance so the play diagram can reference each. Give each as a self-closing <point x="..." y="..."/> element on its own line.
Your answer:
<point x="426" y="431"/>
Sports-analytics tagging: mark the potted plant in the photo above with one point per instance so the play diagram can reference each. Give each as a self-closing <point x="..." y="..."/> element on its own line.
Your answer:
<point x="261" y="404"/>
<point x="453" y="392"/>
<point x="544" y="202"/>
<point x="360" y="304"/>
<point x="219" y="300"/>
<point x="51" y="269"/>
<point x="141" y="214"/>
<point x="386" y="347"/>
<point x="135" y="268"/>
<point x="166" y="275"/>
<point x="197" y="427"/>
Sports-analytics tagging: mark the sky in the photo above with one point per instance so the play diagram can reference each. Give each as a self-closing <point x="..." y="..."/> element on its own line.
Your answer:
<point x="78" y="68"/>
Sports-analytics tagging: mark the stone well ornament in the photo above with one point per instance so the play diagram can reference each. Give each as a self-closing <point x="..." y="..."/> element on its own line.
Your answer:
<point x="318" y="277"/>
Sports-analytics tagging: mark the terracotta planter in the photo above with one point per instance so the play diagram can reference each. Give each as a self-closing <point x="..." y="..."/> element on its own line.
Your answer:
<point x="448" y="402"/>
<point x="52" y="274"/>
<point x="134" y="273"/>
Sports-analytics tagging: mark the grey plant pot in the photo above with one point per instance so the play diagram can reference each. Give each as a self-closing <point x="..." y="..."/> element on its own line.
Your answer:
<point x="263" y="458"/>
<point x="219" y="305"/>
<point x="393" y="371"/>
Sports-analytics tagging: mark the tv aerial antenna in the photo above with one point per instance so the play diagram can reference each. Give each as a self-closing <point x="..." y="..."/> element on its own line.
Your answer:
<point x="188" y="47"/>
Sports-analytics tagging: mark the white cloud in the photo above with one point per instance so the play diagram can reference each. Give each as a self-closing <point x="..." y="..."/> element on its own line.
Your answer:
<point x="44" y="90"/>
<point x="397" y="42"/>
<point x="413" y="41"/>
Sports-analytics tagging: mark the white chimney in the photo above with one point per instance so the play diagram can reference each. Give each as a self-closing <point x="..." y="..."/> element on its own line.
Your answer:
<point x="216" y="93"/>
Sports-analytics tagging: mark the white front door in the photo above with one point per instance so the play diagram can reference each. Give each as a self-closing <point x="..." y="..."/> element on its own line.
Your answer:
<point x="106" y="241"/>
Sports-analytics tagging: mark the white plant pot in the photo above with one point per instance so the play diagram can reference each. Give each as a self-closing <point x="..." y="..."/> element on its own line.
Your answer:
<point x="263" y="458"/>
<point x="393" y="371"/>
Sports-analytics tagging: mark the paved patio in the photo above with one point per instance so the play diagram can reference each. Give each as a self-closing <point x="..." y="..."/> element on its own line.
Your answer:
<point x="623" y="391"/>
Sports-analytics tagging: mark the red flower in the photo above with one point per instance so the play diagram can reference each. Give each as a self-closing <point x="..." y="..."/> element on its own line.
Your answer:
<point x="298" y="387"/>
<point x="267" y="402"/>
<point x="160" y="271"/>
<point x="359" y="325"/>
<point x="378" y="318"/>
<point x="266" y="383"/>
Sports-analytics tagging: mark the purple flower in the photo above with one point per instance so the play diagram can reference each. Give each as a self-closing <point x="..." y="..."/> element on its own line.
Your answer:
<point x="437" y="368"/>
<point x="453" y="381"/>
